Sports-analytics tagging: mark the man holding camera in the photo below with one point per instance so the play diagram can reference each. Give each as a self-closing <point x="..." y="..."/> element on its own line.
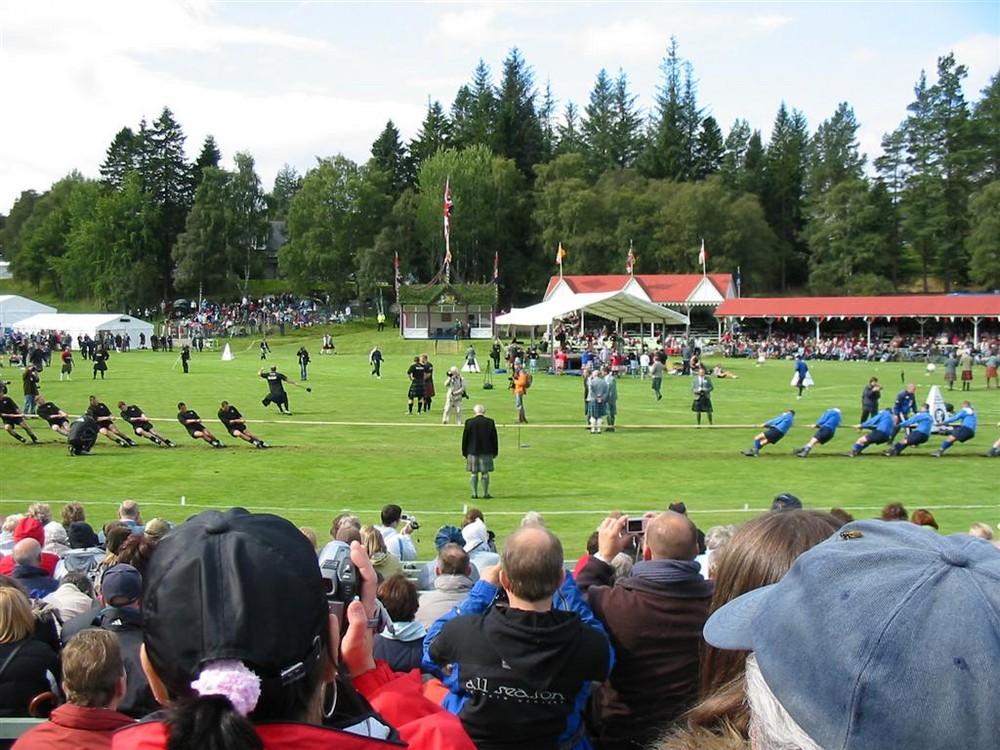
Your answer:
<point x="654" y="618"/>
<point x="397" y="538"/>
<point x="454" y="394"/>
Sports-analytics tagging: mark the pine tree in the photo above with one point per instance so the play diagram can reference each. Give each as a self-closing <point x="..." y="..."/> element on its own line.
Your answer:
<point x="210" y="156"/>
<point x="518" y="133"/>
<point x="389" y="155"/>
<point x="433" y="136"/>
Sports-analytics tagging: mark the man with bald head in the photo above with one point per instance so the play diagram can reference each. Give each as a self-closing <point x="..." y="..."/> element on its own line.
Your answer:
<point x="28" y="570"/>
<point x="519" y="672"/>
<point x="654" y="618"/>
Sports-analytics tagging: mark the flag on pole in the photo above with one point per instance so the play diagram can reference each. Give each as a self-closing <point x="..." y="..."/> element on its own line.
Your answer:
<point x="702" y="255"/>
<point x="560" y="254"/>
<point x="630" y="261"/>
<point x="496" y="268"/>
<point x="447" y="209"/>
<point x="739" y="283"/>
<point x="395" y="275"/>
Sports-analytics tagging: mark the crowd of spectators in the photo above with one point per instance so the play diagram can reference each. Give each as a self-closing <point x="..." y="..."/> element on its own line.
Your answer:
<point x="488" y="645"/>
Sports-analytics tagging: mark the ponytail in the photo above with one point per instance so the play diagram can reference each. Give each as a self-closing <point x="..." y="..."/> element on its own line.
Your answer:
<point x="210" y="723"/>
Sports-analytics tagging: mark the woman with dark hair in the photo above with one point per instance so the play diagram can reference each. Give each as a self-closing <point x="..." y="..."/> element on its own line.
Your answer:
<point x="240" y="644"/>
<point x="894" y="512"/>
<point x="922" y="517"/>
<point x="402" y="646"/>
<point x="759" y="554"/>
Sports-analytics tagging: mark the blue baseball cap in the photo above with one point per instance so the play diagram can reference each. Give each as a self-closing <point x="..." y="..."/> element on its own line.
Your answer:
<point x="885" y="635"/>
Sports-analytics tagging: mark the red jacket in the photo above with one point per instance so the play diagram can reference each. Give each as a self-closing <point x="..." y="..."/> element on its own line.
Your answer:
<point x="30" y="527"/>
<point x="75" y="727"/>
<point x="397" y="696"/>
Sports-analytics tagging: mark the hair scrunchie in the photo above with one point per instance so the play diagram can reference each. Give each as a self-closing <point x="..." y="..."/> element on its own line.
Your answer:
<point x="230" y="678"/>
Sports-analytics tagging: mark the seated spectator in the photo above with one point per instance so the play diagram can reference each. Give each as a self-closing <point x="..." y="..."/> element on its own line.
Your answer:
<point x="155" y="529"/>
<point x="120" y="612"/>
<point x="428" y="571"/>
<point x="309" y="533"/>
<point x="115" y="536"/>
<point x="344" y="519"/>
<point x="786" y="501"/>
<point x="894" y="512"/>
<point x="922" y="517"/>
<point x="533" y="518"/>
<point x="7" y="533"/>
<point x="878" y="601"/>
<point x="716" y="538"/>
<point x="94" y="685"/>
<point x="84" y="554"/>
<point x="73" y="597"/>
<point x="56" y="539"/>
<point x="477" y="544"/>
<point x="130" y="516"/>
<point x="71" y="513"/>
<point x="28" y="569"/>
<point x="397" y="538"/>
<point x="452" y="583"/>
<point x="402" y="645"/>
<point x="266" y="681"/>
<point x="760" y="553"/>
<point x="385" y="564"/>
<point x="136" y="551"/>
<point x="485" y="651"/>
<point x="654" y="619"/>
<point x="841" y="515"/>
<point x="982" y="530"/>
<point x="30" y="527"/>
<point x="33" y="667"/>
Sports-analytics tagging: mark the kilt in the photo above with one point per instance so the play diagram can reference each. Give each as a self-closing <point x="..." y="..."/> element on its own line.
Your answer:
<point x="597" y="410"/>
<point x="991" y="371"/>
<point x="966" y="375"/>
<point x="482" y="464"/>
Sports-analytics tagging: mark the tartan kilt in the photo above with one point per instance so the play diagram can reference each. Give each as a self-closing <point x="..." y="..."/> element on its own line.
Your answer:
<point x="482" y="464"/>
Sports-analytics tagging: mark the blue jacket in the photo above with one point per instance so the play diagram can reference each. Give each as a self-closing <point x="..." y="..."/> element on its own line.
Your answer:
<point x="922" y="421"/>
<point x="967" y="416"/>
<point x="801" y="367"/>
<point x="906" y="403"/>
<point x="782" y="423"/>
<point x="883" y="422"/>
<point x="474" y="661"/>
<point x="830" y="419"/>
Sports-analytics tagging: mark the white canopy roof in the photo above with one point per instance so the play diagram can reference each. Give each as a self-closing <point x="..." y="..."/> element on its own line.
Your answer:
<point x="618" y="305"/>
<point x="14" y="307"/>
<point x="81" y="324"/>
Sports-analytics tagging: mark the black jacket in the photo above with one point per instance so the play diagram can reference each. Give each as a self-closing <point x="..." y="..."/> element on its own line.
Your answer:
<point x="480" y="437"/>
<point x="24" y="677"/>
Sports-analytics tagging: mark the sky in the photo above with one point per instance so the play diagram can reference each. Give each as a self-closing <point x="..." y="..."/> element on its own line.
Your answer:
<point x="290" y="82"/>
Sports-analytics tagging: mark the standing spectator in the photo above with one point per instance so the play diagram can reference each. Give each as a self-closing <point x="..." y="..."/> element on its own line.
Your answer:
<point x="471" y="364"/>
<point x="264" y="348"/>
<point x="656" y="374"/>
<point x="66" y="356"/>
<point x="185" y="357"/>
<point x="965" y="363"/>
<point x="701" y="387"/>
<point x="869" y="399"/>
<point x="480" y="446"/>
<point x="94" y="683"/>
<point x="597" y="401"/>
<point x="100" y="358"/>
<point x="303" y="357"/>
<point x="612" y="381"/>
<point x="484" y="651"/>
<point x="454" y="394"/>
<point x="774" y="430"/>
<point x="428" y="381"/>
<point x="654" y="618"/>
<point x="29" y="381"/>
<point x="991" y="370"/>
<point x="520" y="383"/>
<point x="951" y="370"/>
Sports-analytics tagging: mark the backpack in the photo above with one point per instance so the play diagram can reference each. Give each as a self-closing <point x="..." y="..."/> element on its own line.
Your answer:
<point x="527" y="380"/>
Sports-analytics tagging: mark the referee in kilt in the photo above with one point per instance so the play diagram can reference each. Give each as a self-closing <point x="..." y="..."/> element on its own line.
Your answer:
<point x="480" y="447"/>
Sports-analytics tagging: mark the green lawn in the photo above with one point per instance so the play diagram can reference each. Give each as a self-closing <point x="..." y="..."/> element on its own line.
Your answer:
<point x="350" y="445"/>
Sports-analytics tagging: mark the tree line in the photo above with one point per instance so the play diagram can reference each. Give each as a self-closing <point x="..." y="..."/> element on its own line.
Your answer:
<point x="800" y="212"/>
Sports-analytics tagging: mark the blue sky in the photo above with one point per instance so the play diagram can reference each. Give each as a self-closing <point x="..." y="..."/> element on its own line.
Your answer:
<point x="292" y="81"/>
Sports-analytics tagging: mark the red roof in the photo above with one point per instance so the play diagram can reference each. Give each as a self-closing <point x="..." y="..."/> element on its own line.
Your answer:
<point x="661" y="288"/>
<point x="910" y="306"/>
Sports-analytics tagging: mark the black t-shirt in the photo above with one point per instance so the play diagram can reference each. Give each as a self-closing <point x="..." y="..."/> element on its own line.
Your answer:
<point x="226" y="416"/>
<point x="274" y="381"/>
<point x="100" y="410"/>
<point x="130" y="413"/>
<point x="7" y="406"/>
<point x="195" y="426"/>
<point x="48" y="410"/>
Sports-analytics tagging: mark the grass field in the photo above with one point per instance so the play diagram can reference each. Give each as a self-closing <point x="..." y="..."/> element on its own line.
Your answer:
<point x="350" y="445"/>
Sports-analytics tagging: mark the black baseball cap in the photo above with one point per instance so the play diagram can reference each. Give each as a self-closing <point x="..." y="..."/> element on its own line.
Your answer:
<point x="233" y="585"/>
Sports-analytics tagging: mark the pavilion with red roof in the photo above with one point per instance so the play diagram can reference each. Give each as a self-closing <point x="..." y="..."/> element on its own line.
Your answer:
<point x="923" y="308"/>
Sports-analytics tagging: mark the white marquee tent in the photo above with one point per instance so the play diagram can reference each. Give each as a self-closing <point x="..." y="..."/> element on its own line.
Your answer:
<point x="618" y="306"/>
<point x="80" y="325"/>
<point x="14" y="308"/>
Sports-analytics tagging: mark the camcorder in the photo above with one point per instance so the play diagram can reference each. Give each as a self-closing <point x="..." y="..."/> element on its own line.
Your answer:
<point x="340" y="579"/>
<point x="636" y="525"/>
<point x="411" y="520"/>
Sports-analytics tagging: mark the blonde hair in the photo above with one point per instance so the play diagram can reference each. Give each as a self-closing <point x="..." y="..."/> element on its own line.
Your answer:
<point x="982" y="530"/>
<point x="16" y="620"/>
<point x="373" y="540"/>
